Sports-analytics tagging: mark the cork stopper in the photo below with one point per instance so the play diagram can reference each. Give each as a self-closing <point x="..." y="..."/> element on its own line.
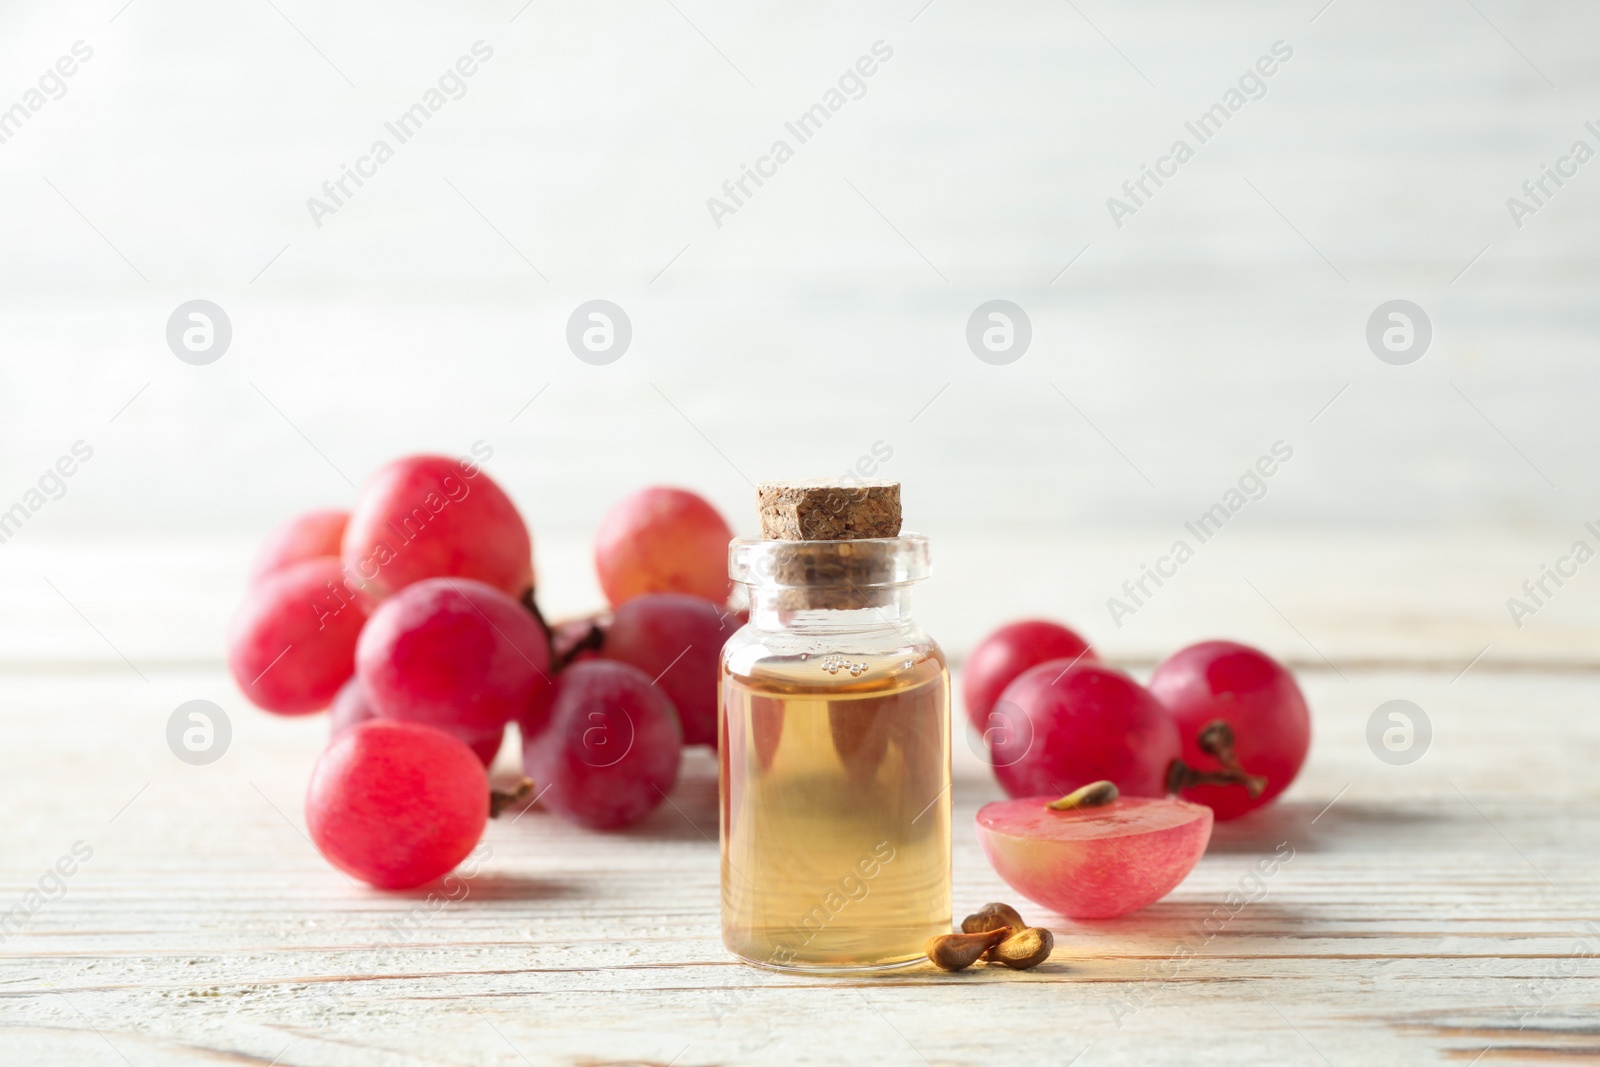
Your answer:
<point x="819" y="566"/>
<point x="826" y="511"/>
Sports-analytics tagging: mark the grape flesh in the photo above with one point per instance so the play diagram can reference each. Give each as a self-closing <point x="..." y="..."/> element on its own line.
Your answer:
<point x="308" y="536"/>
<point x="1094" y="863"/>
<point x="454" y="654"/>
<point x="351" y="707"/>
<point x="1077" y="724"/>
<point x="431" y="516"/>
<point x="395" y="804"/>
<point x="1006" y="653"/>
<point x="612" y="749"/>
<point x="1256" y="696"/>
<point x="663" y="540"/>
<point x="676" y="640"/>
<point x="292" y="643"/>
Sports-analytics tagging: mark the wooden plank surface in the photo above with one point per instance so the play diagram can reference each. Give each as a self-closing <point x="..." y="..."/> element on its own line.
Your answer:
<point x="1437" y="912"/>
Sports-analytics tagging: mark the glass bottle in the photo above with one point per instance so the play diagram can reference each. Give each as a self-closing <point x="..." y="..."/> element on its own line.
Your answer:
<point x="835" y="759"/>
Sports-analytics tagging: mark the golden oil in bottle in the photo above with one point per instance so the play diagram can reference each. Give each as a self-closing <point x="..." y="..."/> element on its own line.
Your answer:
<point x="836" y="851"/>
<point x="835" y="763"/>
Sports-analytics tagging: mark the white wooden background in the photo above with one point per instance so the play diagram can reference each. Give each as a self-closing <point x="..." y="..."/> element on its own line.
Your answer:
<point x="1433" y="912"/>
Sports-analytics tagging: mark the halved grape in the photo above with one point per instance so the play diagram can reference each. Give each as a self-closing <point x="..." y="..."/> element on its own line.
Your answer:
<point x="663" y="540"/>
<point x="1006" y="653"/>
<point x="1257" y="697"/>
<point x="455" y="654"/>
<point x="432" y="516"/>
<point x="676" y="640"/>
<point x="292" y="643"/>
<point x="307" y="536"/>
<point x="612" y="749"/>
<point x="1079" y="724"/>
<point x="396" y="804"/>
<point x="1094" y="863"/>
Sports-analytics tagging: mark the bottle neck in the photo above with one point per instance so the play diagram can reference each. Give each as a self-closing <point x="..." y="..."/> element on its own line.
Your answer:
<point x="787" y="609"/>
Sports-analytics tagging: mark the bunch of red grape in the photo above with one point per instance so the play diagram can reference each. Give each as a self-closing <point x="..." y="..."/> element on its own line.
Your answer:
<point x="1220" y="723"/>
<point x="413" y="616"/>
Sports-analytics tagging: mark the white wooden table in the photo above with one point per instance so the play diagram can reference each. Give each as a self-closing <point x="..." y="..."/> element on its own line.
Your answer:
<point x="1437" y="912"/>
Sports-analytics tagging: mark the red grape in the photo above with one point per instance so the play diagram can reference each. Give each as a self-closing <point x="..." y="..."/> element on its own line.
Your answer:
<point x="351" y="707"/>
<point x="455" y="654"/>
<point x="676" y="640"/>
<point x="663" y="540"/>
<point x="1008" y="652"/>
<point x="292" y="643"/>
<point x="432" y="516"/>
<point x="1255" y="696"/>
<point x="396" y="804"/>
<point x="1080" y="724"/>
<point x="1094" y="863"/>
<point x="307" y="536"/>
<point x="612" y="749"/>
<point x="487" y="747"/>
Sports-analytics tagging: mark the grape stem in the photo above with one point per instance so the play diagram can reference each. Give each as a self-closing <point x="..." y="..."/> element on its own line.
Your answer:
<point x="1215" y="740"/>
<point x="501" y="799"/>
<point x="593" y="640"/>
<point x="532" y="605"/>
